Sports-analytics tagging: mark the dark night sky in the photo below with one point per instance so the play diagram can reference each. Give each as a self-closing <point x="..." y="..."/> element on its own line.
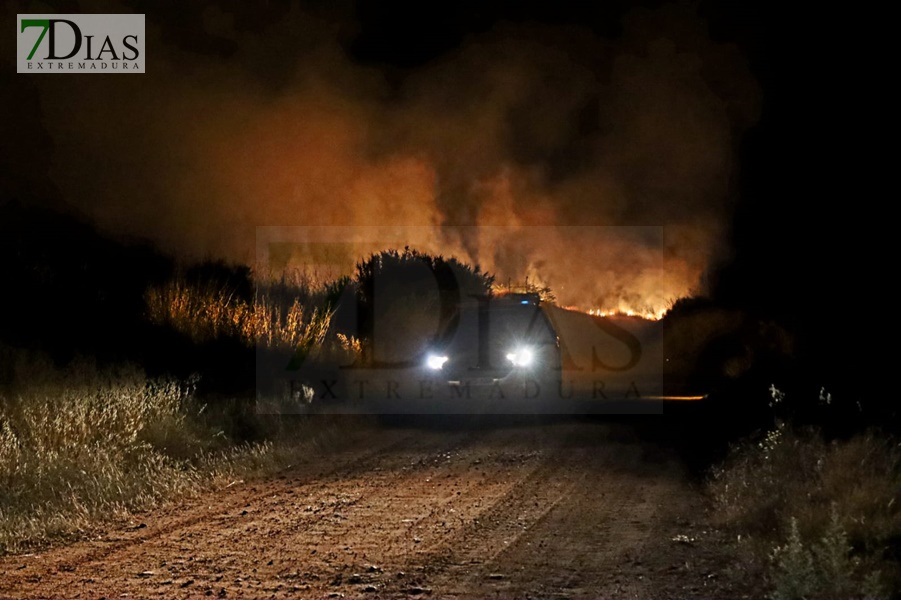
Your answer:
<point x="766" y="231"/>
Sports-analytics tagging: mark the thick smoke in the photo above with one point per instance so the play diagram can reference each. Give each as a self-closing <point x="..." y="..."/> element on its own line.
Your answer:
<point x="533" y="127"/>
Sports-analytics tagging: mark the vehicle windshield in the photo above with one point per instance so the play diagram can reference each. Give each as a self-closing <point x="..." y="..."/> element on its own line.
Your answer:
<point x="484" y="336"/>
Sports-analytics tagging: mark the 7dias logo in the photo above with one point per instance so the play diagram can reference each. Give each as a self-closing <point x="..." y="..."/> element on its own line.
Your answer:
<point x="80" y="43"/>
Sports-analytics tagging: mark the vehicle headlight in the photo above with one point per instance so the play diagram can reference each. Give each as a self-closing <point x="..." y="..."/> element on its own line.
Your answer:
<point x="435" y="361"/>
<point x="521" y="357"/>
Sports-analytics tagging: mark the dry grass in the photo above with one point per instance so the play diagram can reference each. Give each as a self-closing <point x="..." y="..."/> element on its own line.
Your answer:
<point x="79" y="446"/>
<point x="279" y="318"/>
<point x="205" y="314"/>
<point x="83" y="447"/>
<point x="816" y="514"/>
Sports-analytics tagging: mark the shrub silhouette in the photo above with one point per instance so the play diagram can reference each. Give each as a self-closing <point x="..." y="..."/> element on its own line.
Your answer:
<point x="406" y="298"/>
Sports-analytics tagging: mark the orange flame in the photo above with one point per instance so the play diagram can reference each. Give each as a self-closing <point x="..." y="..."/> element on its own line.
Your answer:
<point x="646" y="314"/>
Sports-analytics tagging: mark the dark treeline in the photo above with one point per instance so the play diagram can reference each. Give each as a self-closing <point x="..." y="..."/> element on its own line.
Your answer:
<point x="71" y="291"/>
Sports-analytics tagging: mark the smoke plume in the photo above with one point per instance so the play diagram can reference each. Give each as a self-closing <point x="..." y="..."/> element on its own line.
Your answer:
<point x="533" y="127"/>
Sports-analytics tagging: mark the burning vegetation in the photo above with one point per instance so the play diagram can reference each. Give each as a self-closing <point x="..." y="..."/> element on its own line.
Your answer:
<point x="601" y="169"/>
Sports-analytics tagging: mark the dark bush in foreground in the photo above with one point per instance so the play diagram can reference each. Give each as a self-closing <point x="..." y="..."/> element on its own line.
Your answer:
<point x="821" y="518"/>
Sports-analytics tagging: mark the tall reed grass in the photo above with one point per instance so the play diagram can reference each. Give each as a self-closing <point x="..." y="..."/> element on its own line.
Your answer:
<point x="206" y="313"/>
<point x="283" y="316"/>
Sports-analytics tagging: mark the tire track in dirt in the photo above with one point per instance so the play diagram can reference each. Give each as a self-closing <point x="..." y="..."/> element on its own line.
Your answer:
<point x="574" y="528"/>
<point x="557" y="510"/>
<point x="459" y="490"/>
<point x="318" y="525"/>
<point x="375" y="542"/>
<point x="556" y="560"/>
<point x="320" y="472"/>
<point x="223" y="533"/>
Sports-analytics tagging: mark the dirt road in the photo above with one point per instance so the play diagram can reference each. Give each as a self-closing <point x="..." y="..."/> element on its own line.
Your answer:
<point x="574" y="509"/>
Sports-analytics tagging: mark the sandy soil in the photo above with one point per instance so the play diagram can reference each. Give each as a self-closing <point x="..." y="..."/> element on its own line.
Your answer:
<point x="578" y="509"/>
